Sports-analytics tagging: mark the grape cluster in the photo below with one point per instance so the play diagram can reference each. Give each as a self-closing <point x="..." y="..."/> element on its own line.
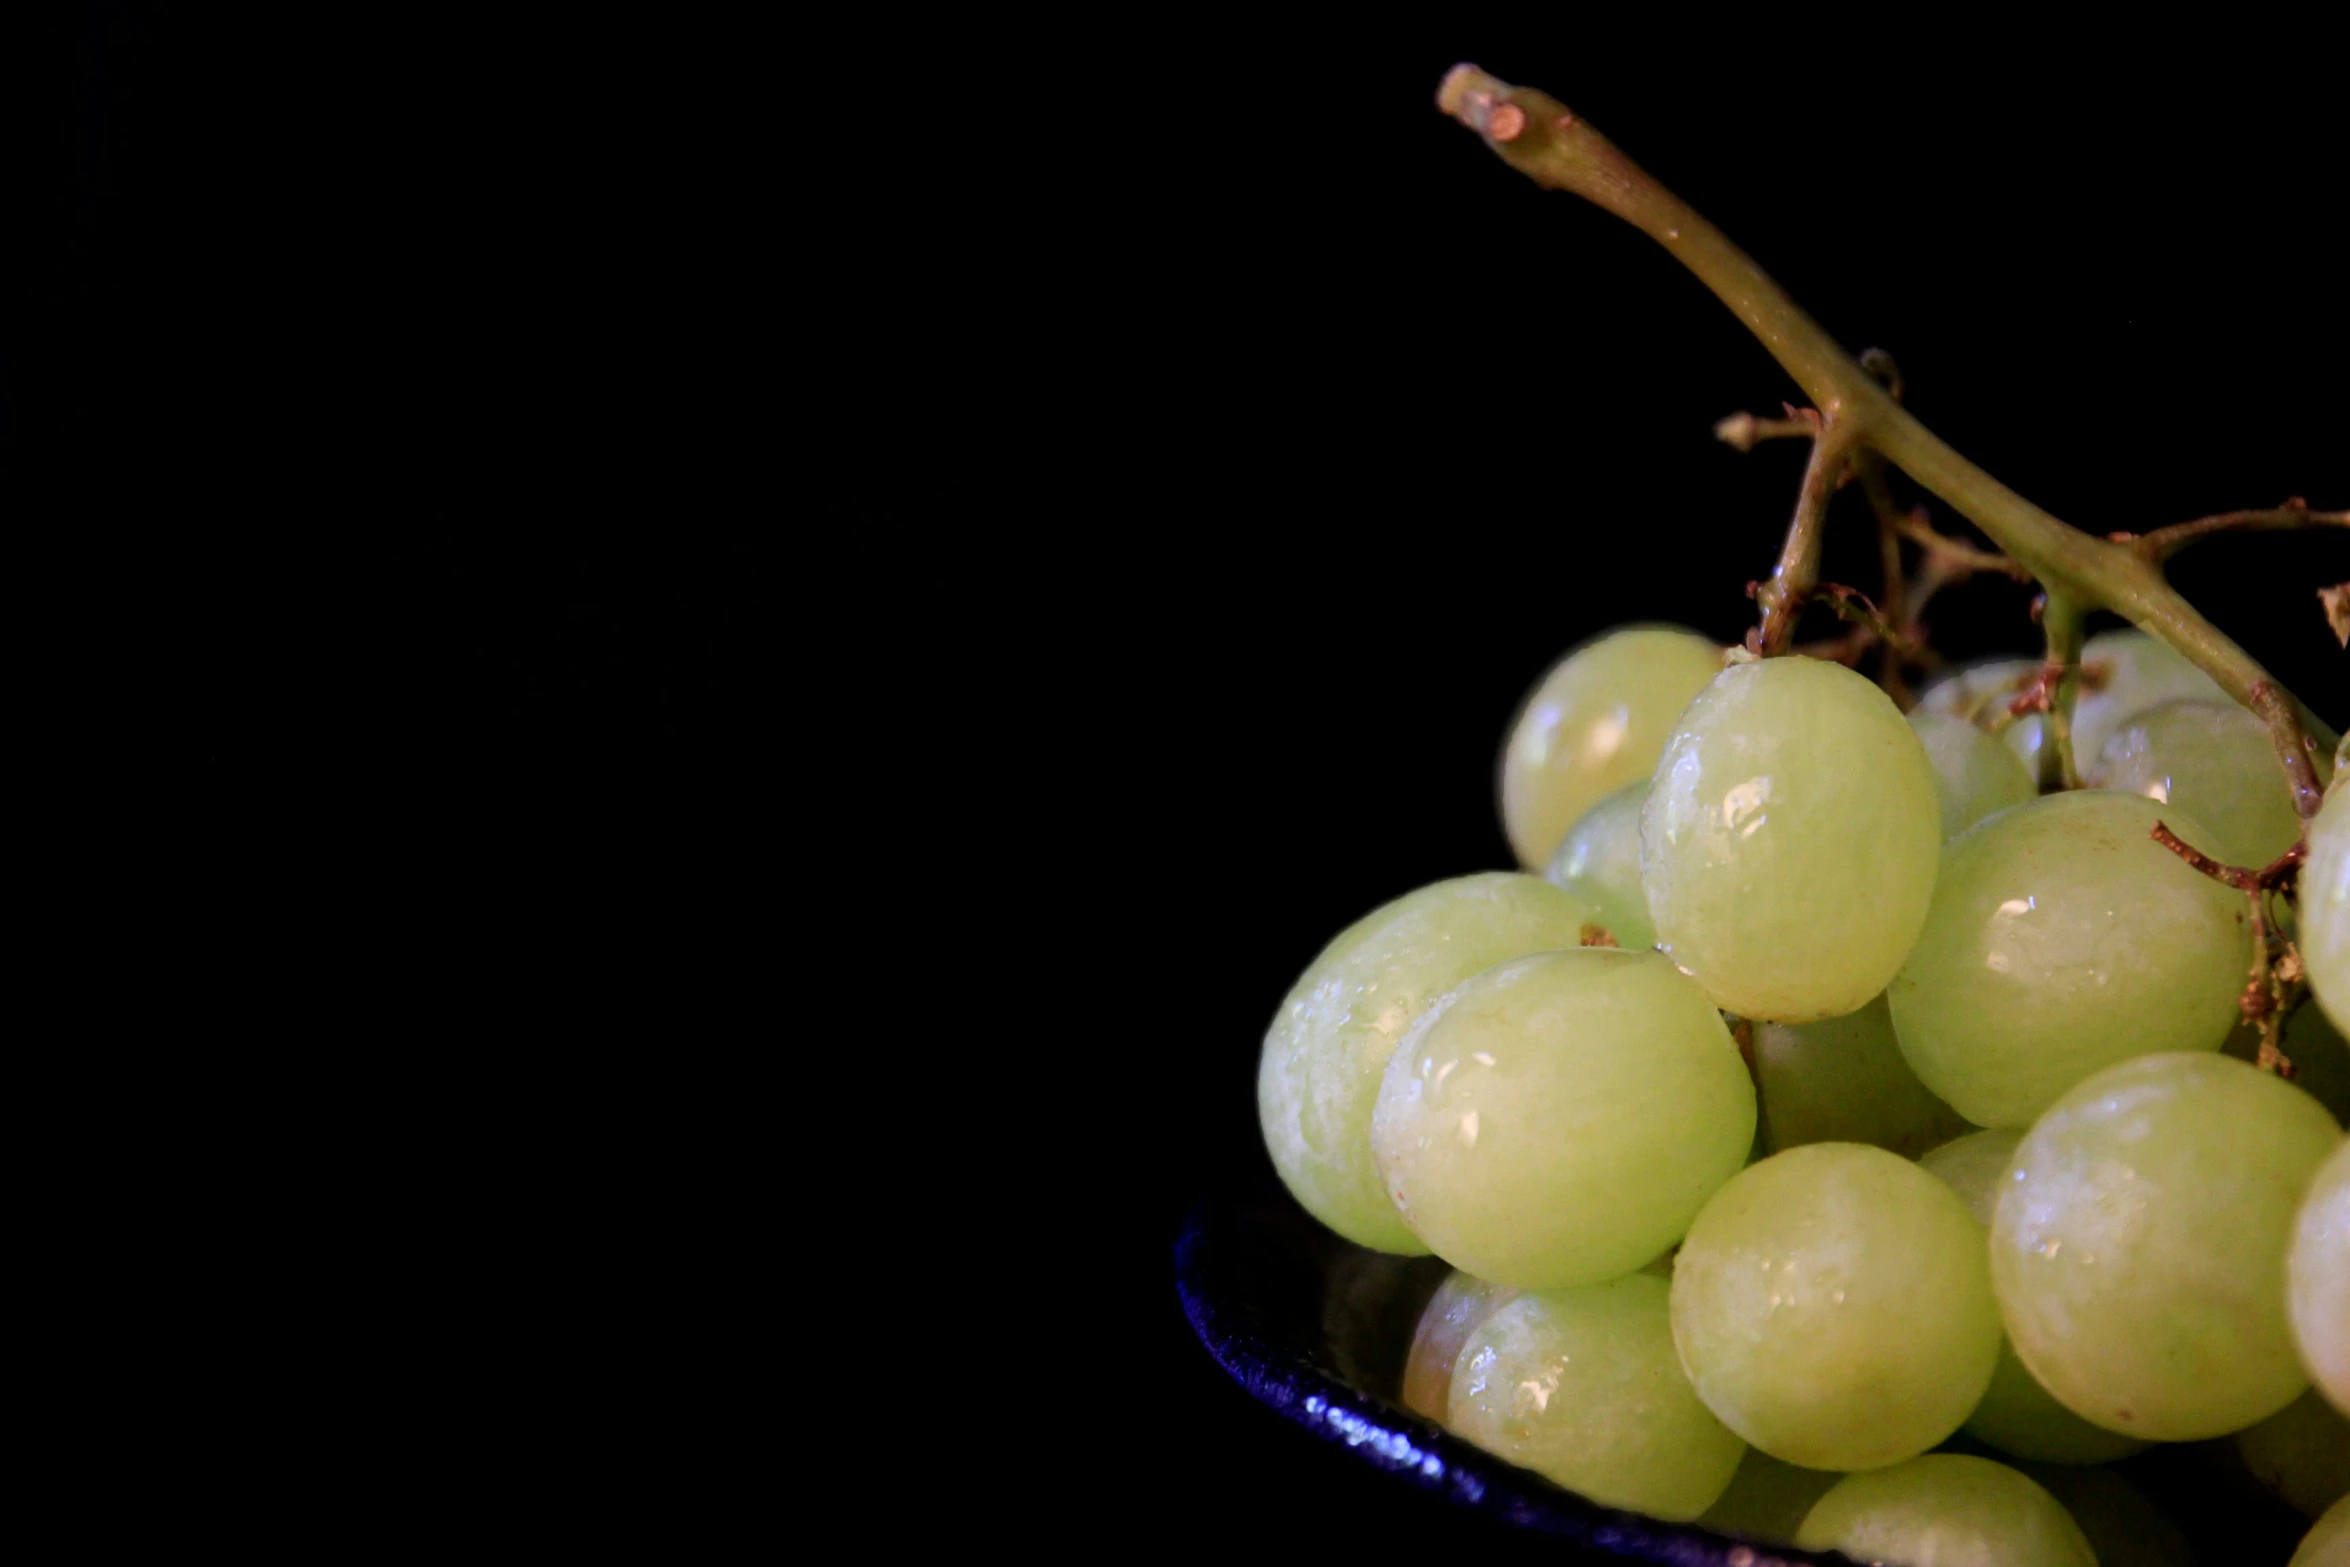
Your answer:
<point x="1833" y="1091"/>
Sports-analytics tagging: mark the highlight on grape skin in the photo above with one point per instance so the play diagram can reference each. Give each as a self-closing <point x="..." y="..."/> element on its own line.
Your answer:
<point x="1599" y="862"/>
<point x="2325" y="904"/>
<point x="1594" y="724"/>
<point x="1318" y="1076"/>
<point x="2317" y="1280"/>
<point x="2140" y="1238"/>
<point x="1946" y="1508"/>
<point x="1790" y="840"/>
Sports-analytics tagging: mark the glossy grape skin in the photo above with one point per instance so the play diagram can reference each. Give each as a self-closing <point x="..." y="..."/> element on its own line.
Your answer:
<point x="2140" y="1237"/>
<point x="2016" y="1415"/>
<point x="2063" y="938"/>
<point x="2122" y="1524"/>
<point x="1767" y="1499"/>
<point x="1582" y="1385"/>
<point x="2302" y="1453"/>
<point x="1974" y="775"/>
<point x="2317" y="1279"/>
<point x="2139" y="673"/>
<point x="1324" y="1055"/>
<point x="2215" y="762"/>
<point x="1593" y="725"/>
<point x="2327" y="1544"/>
<point x="1789" y="840"/>
<point x="1976" y="692"/>
<point x="1459" y="1306"/>
<point x="1842" y="1080"/>
<point x="1599" y="862"/>
<point x="2325" y="906"/>
<point x="1559" y="1120"/>
<point x="1946" y="1510"/>
<point x="1833" y="1306"/>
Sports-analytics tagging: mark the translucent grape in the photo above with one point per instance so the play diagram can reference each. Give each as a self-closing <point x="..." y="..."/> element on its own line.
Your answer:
<point x="1833" y="1307"/>
<point x="2302" y="1452"/>
<point x="2140" y="1238"/>
<point x="2327" y="1544"/>
<point x="1460" y="1305"/>
<point x="2063" y="938"/>
<point x="1974" y="775"/>
<point x="2317" y="1280"/>
<point x="2137" y="673"/>
<point x="1599" y="862"/>
<point x="1767" y="1499"/>
<point x="1593" y="725"/>
<point x="2325" y="906"/>
<point x="1842" y="1080"/>
<point x="2215" y="762"/>
<point x="1582" y="1385"/>
<point x="1320" y="1071"/>
<point x="1974" y="694"/>
<point x="1946" y="1510"/>
<point x="2121" y="1522"/>
<point x="2017" y="1415"/>
<point x="1560" y="1119"/>
<point x="1789" y="840"/>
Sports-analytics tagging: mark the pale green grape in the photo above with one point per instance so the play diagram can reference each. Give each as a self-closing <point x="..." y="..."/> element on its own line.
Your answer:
<point x="2017" y="1415"/>
<point x="1461" y="1303"/>
<point x="2302" y="1452"/>
<point x="1833" y="1306"/>
<point x="2215" y="762"/>
<point x="1946" y="1510"/>
<point x="1974" y="775"/>
<point x="2317" y="1280"/>
<point x="2325" y="906"/>
<point x="1599" y="862"/>
<point x="2121" y="1522"/>
<point x="2321" y="1060"/>
<point x="2141" y="1232"/>
<point x="2327" y="1544"/>
<point x="1977" y="692"/>
<point x="1789" y="840"/>
<point x="2132" y="672"/>
<point x="1767" y="1499"/>
<point x="1593" y="725"/>
<point x="2063" y="938"/>
<point x="1582" y="1385"/>
<point x="1320" y="1071"/>
<point x="1560" y="1119"/>
<point x="1842" y="1080"/>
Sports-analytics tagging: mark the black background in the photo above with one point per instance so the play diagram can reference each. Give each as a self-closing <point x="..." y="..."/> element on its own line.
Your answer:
<point x="1137" y="473"/>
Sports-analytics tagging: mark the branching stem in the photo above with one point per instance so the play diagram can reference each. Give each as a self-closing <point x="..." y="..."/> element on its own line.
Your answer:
<point x="1541" y="138"/>
<point x="1782" y="598"/>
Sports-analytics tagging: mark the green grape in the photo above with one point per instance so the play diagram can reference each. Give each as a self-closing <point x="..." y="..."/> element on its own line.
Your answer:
<point x="2302" y="1452"/>
<point x="2063" y="938"/>
<point x="2216" y="763"/>
<point x="1581" y="1385"/>
<point x="1974" y="775"/>
<point x="1599" y="862"/>
<point x="2135" y="673"/>
<point x="2327" y="1544"/>
<point x="1767" y="1499"/>
<point x="1320" y="1071"/>
<point x="2321" y="1060"/>
<point x="1789" y="840"/>
<point x="1593" y="725"/>
<point x="1461" y="1303"/>
<point x="1977" y="692"/>
<point x="2140" y="1233"/>
<point x="1842" y="1080"/>
<point x="1946" y="1510"/>
<point x="2317" y="1280"/>
<point x="2121" y="1522"/>
<point x="2325" y="906"/>
<point x="1560" y="1119"/>
<point x="2017" y="1415"/>
<point x="1832" y="1304"/>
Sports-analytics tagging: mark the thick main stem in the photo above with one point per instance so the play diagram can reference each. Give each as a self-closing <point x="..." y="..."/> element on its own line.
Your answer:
<point x="1541" y="138"/>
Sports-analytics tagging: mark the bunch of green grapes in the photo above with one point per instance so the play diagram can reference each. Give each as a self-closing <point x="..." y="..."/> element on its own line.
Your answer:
<point x="1822" y="1093"/>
